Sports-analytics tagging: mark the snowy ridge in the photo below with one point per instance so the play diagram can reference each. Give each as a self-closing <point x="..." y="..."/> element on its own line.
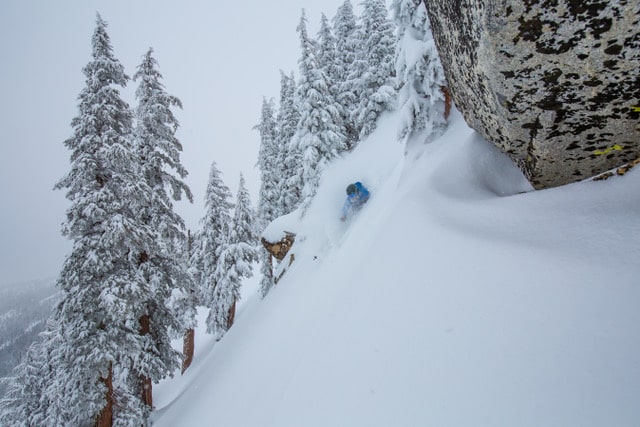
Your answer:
<point x="457" y="297"/>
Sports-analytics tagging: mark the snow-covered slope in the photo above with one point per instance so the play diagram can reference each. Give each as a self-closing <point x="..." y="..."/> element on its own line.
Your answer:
<point x="24" y="309"/>
<point x="457" y="297"/>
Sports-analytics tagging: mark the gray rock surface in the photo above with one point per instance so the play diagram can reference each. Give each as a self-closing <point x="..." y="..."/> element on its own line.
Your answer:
<point x="555" y="84"/>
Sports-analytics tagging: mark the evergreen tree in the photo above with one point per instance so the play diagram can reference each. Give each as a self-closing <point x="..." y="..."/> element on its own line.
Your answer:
<point x="329" y="66"/>
<point x="103" y="297"/>
<point x="421" y="101"/>
<point x="209" y="243"/>
<point x="327" y="55"/>
<point x="280" y="162"/>
<point x="22" y="403"/>
<point x="345" y="31"/>
<point x="93" y="338"/>
<point x="289" y="157"/>
<point x="235" y="263"/>
<point x="271" y="158"/>
<point x="375" y="66"/>
<point x="320" y="136"/>
<point x="267" y="163"/>
<point x="161" y="264"/>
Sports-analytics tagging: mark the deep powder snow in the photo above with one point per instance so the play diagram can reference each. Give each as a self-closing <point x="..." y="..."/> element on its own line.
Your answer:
<point x="456" y="297"/>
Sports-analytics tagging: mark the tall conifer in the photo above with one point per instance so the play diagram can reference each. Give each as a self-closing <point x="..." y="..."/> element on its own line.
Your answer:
<point x="209" y="242"/>
<point x="161" y="264"/>
<point x="320" y="136"/>
<point x="268" y="165"/>
<point x="375" y="66"/>
<point x="93" y="341"/>
<point x="421" y="101"/>
<point x="345" y="31"/>
<point x="329" y="66"/>
<point x="235" y="263"/>
<point x="272" y="180"/>
<point x="289" y="158"/>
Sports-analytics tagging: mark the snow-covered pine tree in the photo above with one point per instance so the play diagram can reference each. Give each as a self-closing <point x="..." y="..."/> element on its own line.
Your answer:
<point x="327" y="61"/>
<point x="320" y="135"/>
<point x="329" y="67"/>
<point x="235" y="263"/>
<point x="210" y="240"/>
<point x="272" y="180"/>
<point x="22" y="403"/>
<point x="93" y="337"/>
<point x="289" y="158"/>
<point x="267" y="163"/>
<point x="161" y="264"/>
<point x="344" y="28"/>
<point x="419" y="72"/>
<point x="375" y="66"/>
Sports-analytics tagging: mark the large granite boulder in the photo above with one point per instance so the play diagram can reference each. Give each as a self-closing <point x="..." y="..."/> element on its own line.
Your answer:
<point x="555" y="84"/>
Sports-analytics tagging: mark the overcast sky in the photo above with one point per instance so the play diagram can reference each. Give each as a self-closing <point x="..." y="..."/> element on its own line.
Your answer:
<point x="219" y="58"/>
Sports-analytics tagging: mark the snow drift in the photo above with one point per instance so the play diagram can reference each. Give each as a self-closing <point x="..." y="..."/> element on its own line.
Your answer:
<point x="458" y="296"/>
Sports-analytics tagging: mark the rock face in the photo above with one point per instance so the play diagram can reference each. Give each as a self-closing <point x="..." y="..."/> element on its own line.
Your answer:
<point x="555" y="84"/>
<point x="279" y="249"/>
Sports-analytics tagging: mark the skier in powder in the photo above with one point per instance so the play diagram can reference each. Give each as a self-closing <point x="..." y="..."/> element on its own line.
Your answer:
<point x="357" y="195"/>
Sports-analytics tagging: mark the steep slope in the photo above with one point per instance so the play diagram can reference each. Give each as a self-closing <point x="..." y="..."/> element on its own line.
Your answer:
<point x="24" y="309"/>
<point x="456" y="297"/>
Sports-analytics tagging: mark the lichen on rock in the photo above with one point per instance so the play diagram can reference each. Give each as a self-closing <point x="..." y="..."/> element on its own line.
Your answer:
<point x="555" y="84"/>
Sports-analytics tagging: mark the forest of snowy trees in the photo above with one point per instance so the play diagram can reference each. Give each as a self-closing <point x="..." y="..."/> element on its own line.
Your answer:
<point x="135" y="275"/>
<point x="356" y="68"/>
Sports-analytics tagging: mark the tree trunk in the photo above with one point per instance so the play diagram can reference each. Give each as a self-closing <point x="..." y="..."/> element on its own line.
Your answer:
<point x="147" y="391"/>
<point x="232" y="314"/>
<point x="447" y="101"/>
<point x="189" y="340"/>
<point x="188" y="348"/>
<point x="145" y="382"/>
<point x="105" y="417"/>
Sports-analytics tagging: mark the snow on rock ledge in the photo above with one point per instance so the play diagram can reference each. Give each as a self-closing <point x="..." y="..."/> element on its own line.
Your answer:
<point x="279" y="235"/>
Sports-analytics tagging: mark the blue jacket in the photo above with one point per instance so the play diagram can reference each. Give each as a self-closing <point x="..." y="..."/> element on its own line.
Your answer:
<point x="355" y="201"/>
